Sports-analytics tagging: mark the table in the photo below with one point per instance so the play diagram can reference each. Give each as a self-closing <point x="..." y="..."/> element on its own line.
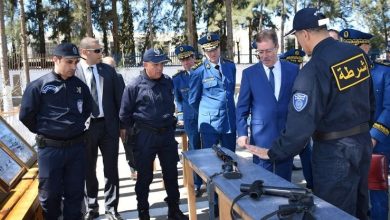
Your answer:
<point x="205" y="163"/>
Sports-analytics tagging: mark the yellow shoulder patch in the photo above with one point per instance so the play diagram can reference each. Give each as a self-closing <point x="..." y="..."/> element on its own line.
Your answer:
<point x="351" y="71"/>
<point x="197" y="65"/>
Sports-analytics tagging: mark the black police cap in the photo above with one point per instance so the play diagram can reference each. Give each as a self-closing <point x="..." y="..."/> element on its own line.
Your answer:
<point x="67" y="50"/>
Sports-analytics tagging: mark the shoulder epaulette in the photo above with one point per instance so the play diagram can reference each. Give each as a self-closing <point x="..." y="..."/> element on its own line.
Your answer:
<point x="227" y="60"/>
<point x="196" y="66"/>
<point x="383" y="62"/>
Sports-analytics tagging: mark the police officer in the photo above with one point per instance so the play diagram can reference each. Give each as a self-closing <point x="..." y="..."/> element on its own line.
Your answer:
<point x="56" y="107"/>
<point x="148" y="107"/>
<point x="296" y="56"/>
<point x="332" y="102"/>
<point x="211" y="92"/>
<point x="187" y="116"/>
<point x="380" y="73"/>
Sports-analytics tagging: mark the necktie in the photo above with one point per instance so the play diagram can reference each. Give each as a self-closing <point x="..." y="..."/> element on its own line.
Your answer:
<point x="272" y="78"/>
<point x="217" y="67"/>
<point x="94" y="93"/>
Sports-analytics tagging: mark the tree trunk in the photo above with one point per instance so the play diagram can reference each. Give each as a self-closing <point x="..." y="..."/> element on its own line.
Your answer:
<point x="89" y="18"/>
<point x="115" y="29"/>
<point x="25" y="77"/>
<point x="229" y="27"/>
<point x="6" y="87"/>
<point x="150" y="25"/>
<point x="41" y="33"/>
<point x="261" y="17"/>
<point x="190" y="28"/>
<point x="282" y="22"/>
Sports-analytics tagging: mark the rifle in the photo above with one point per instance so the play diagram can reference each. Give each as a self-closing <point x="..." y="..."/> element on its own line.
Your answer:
<point x="229" y="167"/>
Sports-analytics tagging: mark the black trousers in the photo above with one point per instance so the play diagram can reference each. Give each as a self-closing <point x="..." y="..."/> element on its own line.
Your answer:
<point x="148" y="145"/>
<point x="340" y="172"/>
<point x="98" y="138"/>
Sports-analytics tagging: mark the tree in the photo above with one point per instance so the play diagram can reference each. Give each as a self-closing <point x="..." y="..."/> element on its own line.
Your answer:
<point x="60" y="19"/>
<point x="114" y="30"/>
<point x="89" y="18"/>
<point x="126" y="33"/>
<point x="190" y="23"/>
<point x="36" y="15"/>
<point x="229" y="30"/>
<point x="6" y="87"/>
<point x="25" y="77"/>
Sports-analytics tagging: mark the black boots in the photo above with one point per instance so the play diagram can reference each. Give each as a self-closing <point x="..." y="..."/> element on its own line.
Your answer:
<point x="143" y="214"/>
<point x="174" y="213"/>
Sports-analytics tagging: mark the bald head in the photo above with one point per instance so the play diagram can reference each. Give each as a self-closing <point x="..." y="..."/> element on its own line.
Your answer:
<point x="88" y="43"/>
<point x="110" y="61"/>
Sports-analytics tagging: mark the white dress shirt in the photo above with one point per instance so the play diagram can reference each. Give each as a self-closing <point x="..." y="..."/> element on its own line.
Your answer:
<point x="88" y="76"/>
<point x="277" y="70"/>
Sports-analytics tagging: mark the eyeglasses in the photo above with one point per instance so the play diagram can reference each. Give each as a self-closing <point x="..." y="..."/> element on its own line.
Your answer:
<point x="267" y="51"/>
<point x="99" y="50"/>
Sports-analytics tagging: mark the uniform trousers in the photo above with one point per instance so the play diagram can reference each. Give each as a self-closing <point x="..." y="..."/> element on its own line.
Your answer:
<point x="148" y="145"/>
<point x="191" y="128"/>
<point x="227" y="140"/>
<point x="340" y="172"/>
<point x="61" y="179"/>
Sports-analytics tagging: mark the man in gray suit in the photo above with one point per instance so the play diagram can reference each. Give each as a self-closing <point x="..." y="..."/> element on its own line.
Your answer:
<point x="104" y="127"/>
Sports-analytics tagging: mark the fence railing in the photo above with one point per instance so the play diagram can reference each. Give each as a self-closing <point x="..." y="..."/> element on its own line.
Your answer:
<point x="40" y="61"/>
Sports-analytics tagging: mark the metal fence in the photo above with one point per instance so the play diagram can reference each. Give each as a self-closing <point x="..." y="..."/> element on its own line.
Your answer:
<point x="39" y="61"/>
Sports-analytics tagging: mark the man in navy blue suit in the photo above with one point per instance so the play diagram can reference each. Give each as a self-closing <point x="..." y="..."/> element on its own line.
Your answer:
<point x="265" y="93"/>
<point x="212" y="85"/>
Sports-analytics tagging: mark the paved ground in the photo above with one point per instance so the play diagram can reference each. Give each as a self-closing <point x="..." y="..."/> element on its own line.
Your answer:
<point x="158" y="209"/>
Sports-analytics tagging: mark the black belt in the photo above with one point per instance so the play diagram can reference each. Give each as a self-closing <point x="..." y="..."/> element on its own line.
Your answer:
<point x="153" y="129"/>
<point x="97" y="119"/>
<point x="43" y="141"/>
<point x="322" y="136"/>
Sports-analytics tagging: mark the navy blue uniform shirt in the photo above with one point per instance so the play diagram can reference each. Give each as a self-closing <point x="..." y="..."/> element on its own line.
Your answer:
<point x="332" y="92"/>
<point x="148" y="101"/>
<point x="56" y="108"/>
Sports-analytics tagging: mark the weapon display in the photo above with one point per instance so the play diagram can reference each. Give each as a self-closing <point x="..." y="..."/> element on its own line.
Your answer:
<point x="229" y="166"/>
<point x="299" y="200"/>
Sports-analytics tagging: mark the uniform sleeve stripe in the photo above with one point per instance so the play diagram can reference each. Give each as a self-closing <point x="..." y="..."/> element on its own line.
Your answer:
<point x="381" y="128"/>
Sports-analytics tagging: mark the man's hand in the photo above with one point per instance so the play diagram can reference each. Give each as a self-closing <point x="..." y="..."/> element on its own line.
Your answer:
<point x="122" y="133"/>
<point x="374" y="142"/>
<point x="242" y="141"/>
<point x="258" y="151"/>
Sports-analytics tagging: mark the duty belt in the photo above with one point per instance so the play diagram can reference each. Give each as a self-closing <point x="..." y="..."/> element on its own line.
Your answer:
<point x="326" y="136"/>
<point x="151" y="128"/>
<point x="43" y="141"/>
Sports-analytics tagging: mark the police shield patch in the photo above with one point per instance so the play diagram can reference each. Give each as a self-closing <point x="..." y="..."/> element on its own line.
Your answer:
<point x="80" y="105"/>
<point x="299" y="101"/>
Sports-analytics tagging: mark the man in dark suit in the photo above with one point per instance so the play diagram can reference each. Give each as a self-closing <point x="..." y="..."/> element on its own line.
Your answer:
<point x="265" y="93"/>
<point x="104" y="127"/>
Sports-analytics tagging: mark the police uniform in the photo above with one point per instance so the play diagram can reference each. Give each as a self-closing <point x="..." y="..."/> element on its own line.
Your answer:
<point x="56" y="110"/>
<point x="333" y="102"/>
<point x="380" y="73"/>
<point x="296" y="56"/>
<point x="185" y="112"/>
<point x="212" y="93"/>
<point x="148" y="106"/>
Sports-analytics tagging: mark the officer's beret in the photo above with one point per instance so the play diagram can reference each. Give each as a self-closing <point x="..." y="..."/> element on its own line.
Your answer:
<point x="67" y="50"/>
<point x="355" y="37"/>
<point x="184" y="51"/>
<point x="155" y="55"/>
<point x="254" y="45"/>
<point x="209" y="42"/>
<point x="293" y="56"/>
<point x="308" y="18"/>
